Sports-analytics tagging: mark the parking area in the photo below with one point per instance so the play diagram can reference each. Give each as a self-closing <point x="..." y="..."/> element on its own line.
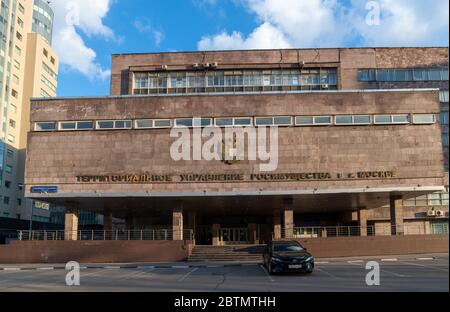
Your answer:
<point x="346" y="275"/>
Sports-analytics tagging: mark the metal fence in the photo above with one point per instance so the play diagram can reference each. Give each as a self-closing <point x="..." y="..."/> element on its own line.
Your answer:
<point x="100" y="235"/>
<point x="348" y="231"/>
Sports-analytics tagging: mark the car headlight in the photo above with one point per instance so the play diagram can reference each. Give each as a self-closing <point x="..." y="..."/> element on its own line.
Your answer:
<point x="278" y="260"/>
<point x="310" y="259"/>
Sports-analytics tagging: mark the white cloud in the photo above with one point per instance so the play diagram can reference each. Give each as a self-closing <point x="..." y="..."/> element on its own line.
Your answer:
<point x="73" y="17"/>
<point x="404" y="23"/>
<point x="333" y="23"/>
<point x="144" y="26"/>
<point x="264" y="37"/>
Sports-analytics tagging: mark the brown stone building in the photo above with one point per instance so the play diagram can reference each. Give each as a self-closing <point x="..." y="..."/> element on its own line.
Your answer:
<point x="361" y="134"/>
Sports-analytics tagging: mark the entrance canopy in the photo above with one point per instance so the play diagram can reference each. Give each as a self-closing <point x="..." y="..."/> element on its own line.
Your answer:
<point x="252" y="203"/>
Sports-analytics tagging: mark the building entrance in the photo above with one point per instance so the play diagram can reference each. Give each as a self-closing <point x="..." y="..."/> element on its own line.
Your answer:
<point x="234" y="236"/>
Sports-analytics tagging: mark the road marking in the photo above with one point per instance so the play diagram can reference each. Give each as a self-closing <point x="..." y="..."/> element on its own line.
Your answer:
<point x="358" y="263"/>
<point x="389" y="260"/>
<point x="129" y="275"/>
<point x="267" y="273"/>
<point x="92" y="273"/>
<point x="187" y="274"/>
<point x="393" y="273"/>
<point x="425" y="266"/>
<point x="327" y="273"/>
<point x="146" y="267"/>
<point x="321" y="262"/>
<point x="355" y="261"/>
<point x="180" y="267"/>
<point x="11" y="269"/>
<point x="424" y="259"/>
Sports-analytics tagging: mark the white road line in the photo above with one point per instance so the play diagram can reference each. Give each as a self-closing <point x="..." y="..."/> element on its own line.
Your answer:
<point x="355" y="261"/>
<point x="327" y="273"/>
<point x="11" y="269"/>
<point x="267" y="273"/>
<point x="180" y="267"/>
<point x="382" y="270"/>
<point x="97" y="271"/>
<point x="187" y="274"/>
<point x="146" y="267"/>
<point x="424" y="259"/>
<point x="389" y="260"/>
<point x="393" y="273"/>
<point x="321" y="262"/>
<point x="425" y="266"/>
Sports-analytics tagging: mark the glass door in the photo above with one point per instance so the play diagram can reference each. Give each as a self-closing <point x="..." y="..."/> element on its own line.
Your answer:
<point x="234" y="236"/>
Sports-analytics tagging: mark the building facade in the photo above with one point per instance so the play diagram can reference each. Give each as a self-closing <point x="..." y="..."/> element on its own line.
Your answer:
<point x="361" y="139"/>
<point x="28" y="68"/>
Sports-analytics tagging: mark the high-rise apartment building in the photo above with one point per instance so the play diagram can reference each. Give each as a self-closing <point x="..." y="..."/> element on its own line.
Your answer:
<point x="28" y="68"/>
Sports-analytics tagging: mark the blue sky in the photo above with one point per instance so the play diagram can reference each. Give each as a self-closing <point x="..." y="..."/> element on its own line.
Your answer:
<point x="87" y="32"/>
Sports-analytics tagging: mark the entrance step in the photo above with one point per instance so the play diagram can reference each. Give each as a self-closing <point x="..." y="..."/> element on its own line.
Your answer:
<point x="227" y="253"/>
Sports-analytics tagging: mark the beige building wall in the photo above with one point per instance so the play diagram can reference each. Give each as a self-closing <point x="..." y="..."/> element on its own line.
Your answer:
<point x="28" y="77"/>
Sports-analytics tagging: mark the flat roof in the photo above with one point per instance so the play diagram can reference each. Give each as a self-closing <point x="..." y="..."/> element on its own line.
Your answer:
<point x="289" y="49"/>
<point x="236" y="93"/>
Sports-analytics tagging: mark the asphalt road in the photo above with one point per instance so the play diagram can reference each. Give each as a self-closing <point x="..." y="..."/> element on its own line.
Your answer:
<point x="342" y="276"/>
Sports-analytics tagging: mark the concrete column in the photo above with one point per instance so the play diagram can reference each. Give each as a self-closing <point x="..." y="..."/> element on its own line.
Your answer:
<point x="216" y="235"/>
<point x="362" y="220"/>
<point x="177" y="222"/>
<point x="276" y="225"/>
<point x="396" y="205"/>
<point x="129" y="222"/>
<point x="71" y="222"/>
<point x="192" y="223"/>
<point x="288" y="219"/>
<point x="252" y="229"/>
<point x="107" y="220"/>
<point x="107" y="223"/>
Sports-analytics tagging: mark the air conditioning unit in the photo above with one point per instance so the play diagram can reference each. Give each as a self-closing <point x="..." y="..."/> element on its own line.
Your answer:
<point x="164" y="67"/>
<point x="439" y="213"/>
<point x="325" y="86"/>
<point x="214" y="65"/>
<point x="301" y="64"/>
<point x="196" y="65"/>
<point x="431" y="213"/>
<point x="206" y="65"/>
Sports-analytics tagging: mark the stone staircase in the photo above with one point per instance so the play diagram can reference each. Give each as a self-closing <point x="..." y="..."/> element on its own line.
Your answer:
<point x="240" y="253"/>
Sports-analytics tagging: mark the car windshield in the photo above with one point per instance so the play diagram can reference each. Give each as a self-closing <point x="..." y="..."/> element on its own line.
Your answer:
<point x="287" y="248"/>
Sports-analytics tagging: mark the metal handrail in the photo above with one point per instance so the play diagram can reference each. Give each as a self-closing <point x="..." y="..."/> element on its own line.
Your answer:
<point x="102" y="235"/>
<point x="351" y="231"/>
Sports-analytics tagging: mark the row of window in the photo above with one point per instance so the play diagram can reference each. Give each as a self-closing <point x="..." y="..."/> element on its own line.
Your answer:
<point x="48" y="83"/>
<point x="435" y="199"/>
<point x="443" y="96"/>
<point x="242" y="78"/>
<point x="340" y="120"/>
<point x="49" y="71"/>
<point x="412" y="74"/>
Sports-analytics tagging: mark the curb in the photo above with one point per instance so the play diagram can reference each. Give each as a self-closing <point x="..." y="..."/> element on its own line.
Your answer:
<point x="204" y="266"/>
<point x="143" y="267"/>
